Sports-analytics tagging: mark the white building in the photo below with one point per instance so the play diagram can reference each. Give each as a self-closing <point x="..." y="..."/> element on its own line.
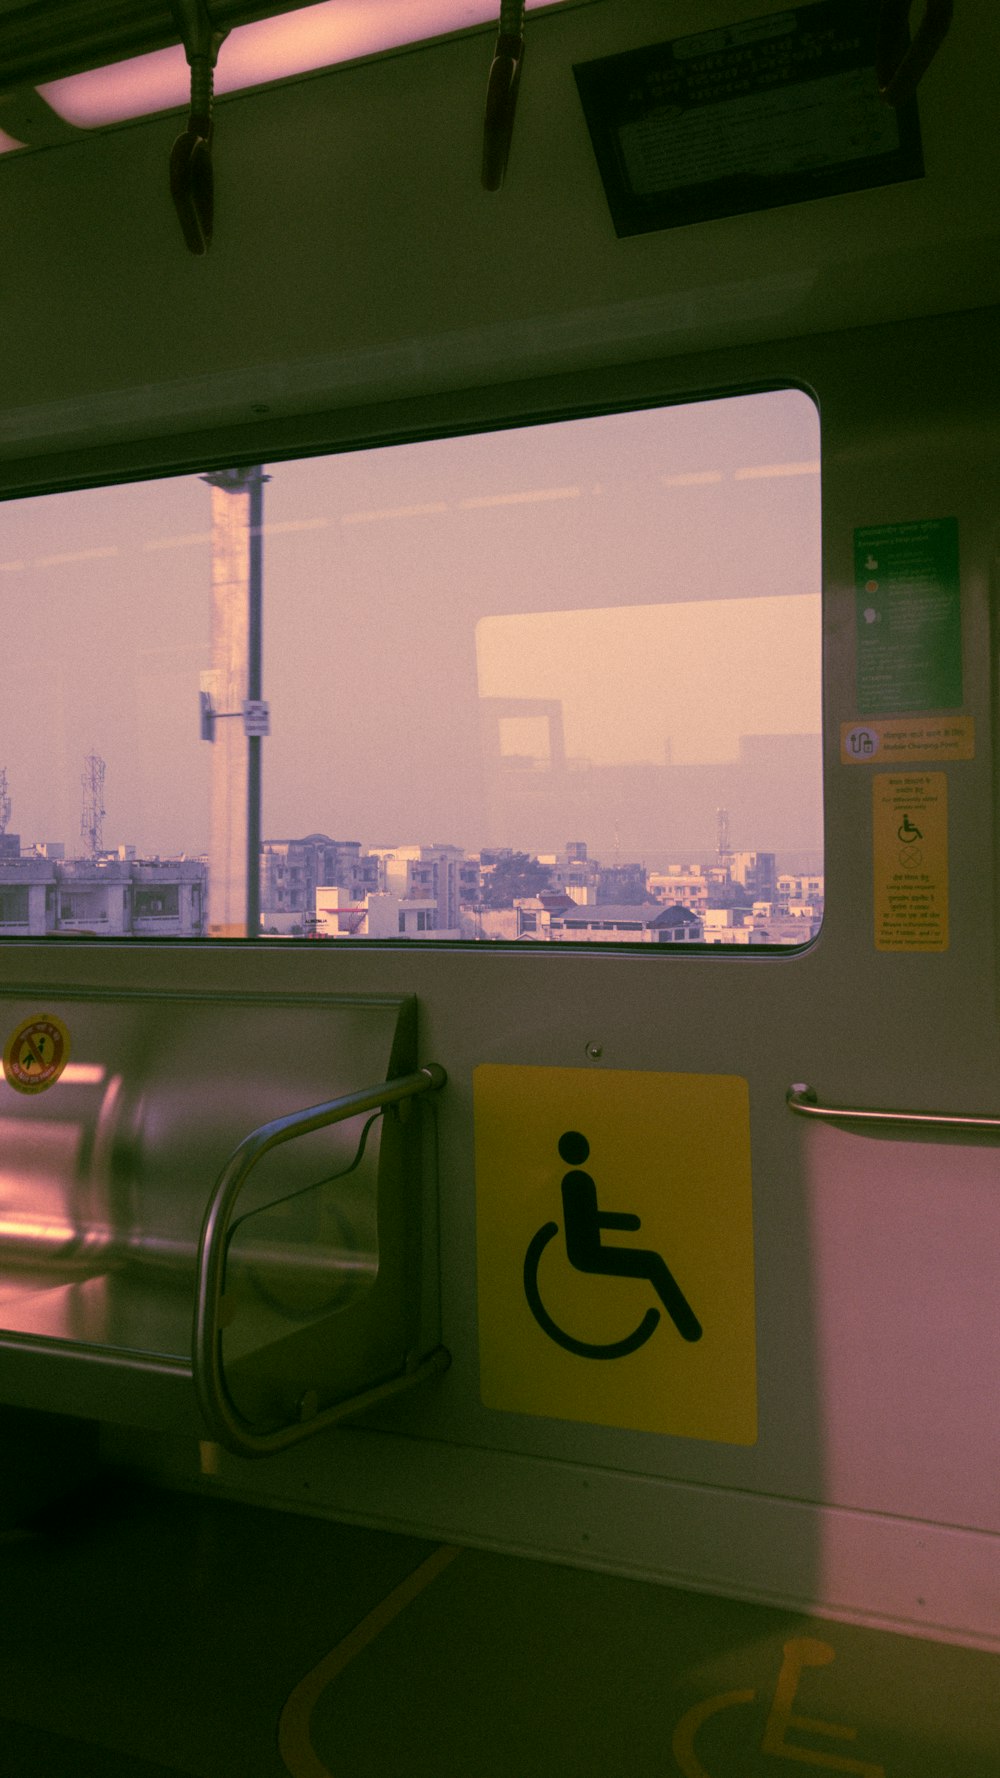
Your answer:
<point x="680" y="885"/>
<point x="623" y="923"/>
<point x="108" y="897"/>
<point x="27" y="897"/>
<point x="444" y="875"/>
<point x="724" y="926"/>
<point x="756" y="872"/>
<point x="379" y="916"/>
<point x="804" y="888"/>
<point x="339" y="914"/>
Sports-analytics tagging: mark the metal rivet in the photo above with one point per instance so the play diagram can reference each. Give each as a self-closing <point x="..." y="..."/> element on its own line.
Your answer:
<point x="594" y="1050"/>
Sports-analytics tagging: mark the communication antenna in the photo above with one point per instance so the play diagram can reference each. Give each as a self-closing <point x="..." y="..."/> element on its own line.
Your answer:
<point x="92" y="819"/>
<point x="722" y="829"/>
<point x="5" y="803"/>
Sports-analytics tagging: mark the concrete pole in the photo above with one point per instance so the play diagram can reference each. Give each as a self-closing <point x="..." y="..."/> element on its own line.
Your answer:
<point x="234" y="843"/>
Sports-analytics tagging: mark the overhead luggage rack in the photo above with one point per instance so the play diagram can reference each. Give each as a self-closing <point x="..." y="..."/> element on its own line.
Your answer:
<point x="196" y="1232"/>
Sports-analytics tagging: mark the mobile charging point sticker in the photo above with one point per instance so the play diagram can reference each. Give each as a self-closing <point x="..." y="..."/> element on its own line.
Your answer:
<point x="907" y="740"/>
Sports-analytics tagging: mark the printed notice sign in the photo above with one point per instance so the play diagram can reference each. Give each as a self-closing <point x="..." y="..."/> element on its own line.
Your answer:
<point x="615" y="1249"/>
<point x="35" y="1055"/>
<point x="774" y="110"/>
<point x="911" y="861"/>
<point x="907" y="740"/>
<point x="909" y="625"/>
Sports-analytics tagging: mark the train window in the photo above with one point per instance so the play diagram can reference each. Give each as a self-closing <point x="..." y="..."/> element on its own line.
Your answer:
<point x="554" y="683"/>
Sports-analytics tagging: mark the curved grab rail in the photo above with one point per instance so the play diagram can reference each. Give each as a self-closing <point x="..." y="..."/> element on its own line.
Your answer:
<point x="224" y="1421"/>
<point x="802" y="1099"/>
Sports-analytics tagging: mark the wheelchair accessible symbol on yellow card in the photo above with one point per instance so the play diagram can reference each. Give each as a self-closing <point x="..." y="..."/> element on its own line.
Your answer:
<point x="615" y="1249"/>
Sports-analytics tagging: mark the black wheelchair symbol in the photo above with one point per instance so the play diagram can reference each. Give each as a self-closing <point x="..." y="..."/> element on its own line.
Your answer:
<point x="586" y="1252"/>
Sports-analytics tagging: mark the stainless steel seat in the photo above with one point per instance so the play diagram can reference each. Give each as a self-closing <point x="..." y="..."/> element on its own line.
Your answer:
<point x="212" y="1218"/>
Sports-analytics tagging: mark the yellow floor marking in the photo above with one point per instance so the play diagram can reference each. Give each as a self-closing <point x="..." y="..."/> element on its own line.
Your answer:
<point x="294" y="1744"/>
<point x="691" y="1722"/>
<point x="807" y="1651"/>
<point x="800" y="1652"/>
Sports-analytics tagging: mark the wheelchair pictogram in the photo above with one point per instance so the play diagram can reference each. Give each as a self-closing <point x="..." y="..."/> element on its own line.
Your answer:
<point x="800" y="1652"/>
<point x="583" y="1223"/>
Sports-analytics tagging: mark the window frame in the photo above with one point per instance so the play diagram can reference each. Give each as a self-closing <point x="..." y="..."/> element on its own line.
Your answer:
<point x="404" y="421"/>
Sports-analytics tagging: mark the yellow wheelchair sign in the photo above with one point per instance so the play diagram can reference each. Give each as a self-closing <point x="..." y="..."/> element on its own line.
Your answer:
<point x="615" y="1249"/>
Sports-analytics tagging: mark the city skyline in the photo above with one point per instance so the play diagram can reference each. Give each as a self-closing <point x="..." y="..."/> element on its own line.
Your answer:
<point x="655" y="573"/>
<point x="318" y="887"/>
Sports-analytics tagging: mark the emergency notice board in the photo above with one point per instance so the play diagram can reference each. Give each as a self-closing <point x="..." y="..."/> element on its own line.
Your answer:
<point x="772" y="111"/>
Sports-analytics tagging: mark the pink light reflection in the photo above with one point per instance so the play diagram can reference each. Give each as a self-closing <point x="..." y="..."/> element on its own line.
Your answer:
<point x="274" y="49"/>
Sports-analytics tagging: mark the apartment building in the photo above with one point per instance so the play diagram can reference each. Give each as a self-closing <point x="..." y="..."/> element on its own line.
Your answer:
<point x="104" y="897"/>
<point x="680" y="885"/>
<point x="291" y="871"/>
<point x="443" y="875"/>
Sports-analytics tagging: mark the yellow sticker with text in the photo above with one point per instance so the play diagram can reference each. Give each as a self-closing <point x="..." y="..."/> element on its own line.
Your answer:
<point x="911" y="861"/>
<point x="615" y="1249"/>
<point x="35" y="1054"/>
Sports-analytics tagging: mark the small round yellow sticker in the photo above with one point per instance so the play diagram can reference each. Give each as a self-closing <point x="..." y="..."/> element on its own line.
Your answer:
<point x="36" y="1054"/>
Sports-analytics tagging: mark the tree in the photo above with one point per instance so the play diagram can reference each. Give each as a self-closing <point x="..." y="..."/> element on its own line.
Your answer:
<point x="513" y="878"/>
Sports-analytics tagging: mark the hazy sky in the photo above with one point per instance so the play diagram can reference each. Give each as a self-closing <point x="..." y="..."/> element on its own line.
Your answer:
<point x="400" y="587"/>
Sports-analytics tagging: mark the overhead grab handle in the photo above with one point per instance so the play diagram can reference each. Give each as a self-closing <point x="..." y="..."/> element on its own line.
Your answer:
<point x="191" y="181"/>
<point x="900" y="65"/>
<point x="501" y="93"/>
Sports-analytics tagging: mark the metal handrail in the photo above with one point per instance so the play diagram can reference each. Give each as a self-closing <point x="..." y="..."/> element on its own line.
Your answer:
<point x="222" y="1417"/>
<point x="802" y="1099"/>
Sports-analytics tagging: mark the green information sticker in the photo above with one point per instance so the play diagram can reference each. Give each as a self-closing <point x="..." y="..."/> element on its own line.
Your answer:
<point x="909" y="620"/>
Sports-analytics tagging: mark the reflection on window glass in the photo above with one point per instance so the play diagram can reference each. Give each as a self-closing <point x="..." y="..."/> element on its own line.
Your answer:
<point x="557" y="683"/>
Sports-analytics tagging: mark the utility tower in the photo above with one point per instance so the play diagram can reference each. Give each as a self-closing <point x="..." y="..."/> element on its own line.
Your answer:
<point x="722" y="830"/>
<point x="92" y="819"/>
<point x="5" y="804"/>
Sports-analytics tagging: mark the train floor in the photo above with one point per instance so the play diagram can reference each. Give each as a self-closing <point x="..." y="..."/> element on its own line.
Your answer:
<point x="160" y="1635"/>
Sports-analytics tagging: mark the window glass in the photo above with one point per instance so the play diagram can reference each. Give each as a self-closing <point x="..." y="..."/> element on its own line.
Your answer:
<point x="557" y="683"/>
